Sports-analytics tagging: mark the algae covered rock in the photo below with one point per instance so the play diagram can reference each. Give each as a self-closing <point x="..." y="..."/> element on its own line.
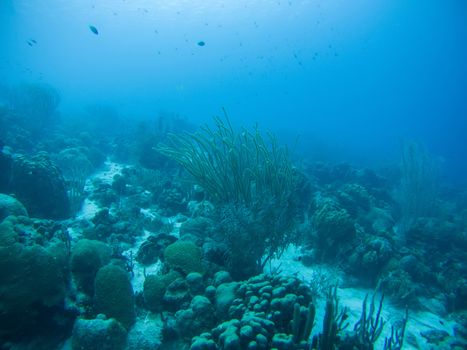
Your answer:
<point x="145" y="334"/>
<point x="195" y="283"/>
<point x="225" y="294"/>
<point x="177" y="295"/>
<point x="221" y="277"/>
<point x="355" y="197"/>
<point x="203" y="342"/>
<point x="114" y="295"/>
<point x="197" y="318"/>
<point x="254" y="331"/>
<point x="98" y="334"/>
<point x="282" y="341"/>
<point x="198" y="226"/>
<point x="11" y="206"/>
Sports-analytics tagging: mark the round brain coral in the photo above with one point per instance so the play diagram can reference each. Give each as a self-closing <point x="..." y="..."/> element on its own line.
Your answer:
<point x="114" y="295"/>
<point x="184" y="256"/>
<point x="87" y="258"/>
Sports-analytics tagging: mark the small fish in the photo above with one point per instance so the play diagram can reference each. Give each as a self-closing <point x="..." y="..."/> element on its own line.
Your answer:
<point x="94" y="30"/>
<point x="29" y="43"/>
<point x="33" y="41"/>
<point x="201" y="43"/>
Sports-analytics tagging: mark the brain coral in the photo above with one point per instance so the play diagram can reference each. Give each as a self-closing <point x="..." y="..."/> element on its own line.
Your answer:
<point x="184" y="257"/>
<point x="114" y="295"/>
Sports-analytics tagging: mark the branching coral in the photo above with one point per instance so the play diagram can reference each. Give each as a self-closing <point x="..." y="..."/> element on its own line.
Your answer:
<point x="234" y="167"/>
<point x="242" y="173"/>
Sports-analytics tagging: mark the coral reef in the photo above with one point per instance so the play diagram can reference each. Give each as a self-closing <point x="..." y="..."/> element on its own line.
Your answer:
<point x="138" y="256"/>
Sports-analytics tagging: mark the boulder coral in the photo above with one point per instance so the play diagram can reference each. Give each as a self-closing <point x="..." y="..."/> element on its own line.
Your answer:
<point x="114" y="295"/>
<point x="184" y="256"/>
<point x="38" y="183"/>
<point x="155" y="287"/>
<point x="333" y="227"/>
<point x="32" y="281"/>
<point x="87" y="257"/>
<point x="263" y="312"/>
<point x="11" y="206"/>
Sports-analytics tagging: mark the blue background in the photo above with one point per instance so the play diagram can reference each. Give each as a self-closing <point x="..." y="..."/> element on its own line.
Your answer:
<point x="353" y="78"/>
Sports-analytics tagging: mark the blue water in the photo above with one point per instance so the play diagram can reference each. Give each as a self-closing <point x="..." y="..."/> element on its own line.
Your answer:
<point x="353" y="78"/>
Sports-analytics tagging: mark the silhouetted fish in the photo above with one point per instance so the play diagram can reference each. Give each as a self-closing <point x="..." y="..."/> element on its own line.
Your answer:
<point x="94" y="30"/>
<point x="33" y="41"/>
<point x="201" y="43"/>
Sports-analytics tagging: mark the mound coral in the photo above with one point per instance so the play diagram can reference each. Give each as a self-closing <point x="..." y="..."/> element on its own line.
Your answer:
<point x="39" y="185"/>
<point x="114" y="295"/>
<point x="155" y="287"/>
<point x="333" y="226"/>
<point x="184" y="256"/>
<point x="33" y="280"/>
<point x="87" y="257"/>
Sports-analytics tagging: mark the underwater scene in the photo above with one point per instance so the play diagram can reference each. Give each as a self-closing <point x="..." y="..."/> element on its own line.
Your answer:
<point x="228" y="175"/>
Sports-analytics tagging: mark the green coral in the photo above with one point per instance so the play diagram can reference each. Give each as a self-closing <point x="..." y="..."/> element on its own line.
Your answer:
<point x="333" y="226"/>
<point x="32" y="277"/>
<point x="242" y="171"/>
<point x="234" y="167"/>
<point x="354" y="197"/>
<point x="41" y="279"/>
<point x="155" y="287"/>
<point x="184" y="256"/>
<point x="39" y="184"/>
<point x="87" y="257"/>
<point x="114" y="295"/>
<point x="331" y="220"/>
